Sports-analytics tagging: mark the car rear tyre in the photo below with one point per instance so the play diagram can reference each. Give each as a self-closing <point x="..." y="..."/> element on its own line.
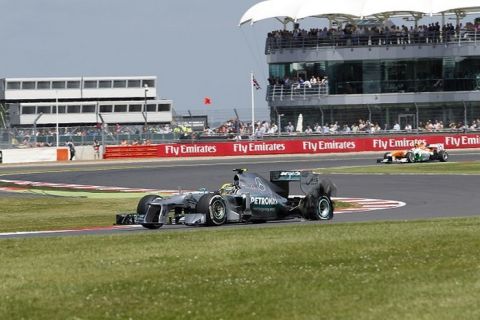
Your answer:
<point x="323" y="209"/>
<point x="410" y="157"/>
<point x="214" y="207"/>
<point x="443" y="156"/>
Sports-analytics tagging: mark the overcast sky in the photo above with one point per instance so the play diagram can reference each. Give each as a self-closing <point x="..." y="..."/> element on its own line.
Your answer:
<point x="194" y="47"/>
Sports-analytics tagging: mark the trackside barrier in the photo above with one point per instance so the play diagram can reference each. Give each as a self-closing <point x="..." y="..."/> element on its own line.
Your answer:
<point x="62" y="154"/>
<point x="34" y="155"/>
<point x="118" y="152"/>
<point x="300" y="146"/>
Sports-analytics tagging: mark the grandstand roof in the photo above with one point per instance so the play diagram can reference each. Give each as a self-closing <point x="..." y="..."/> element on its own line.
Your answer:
<point x="299" y="9"/>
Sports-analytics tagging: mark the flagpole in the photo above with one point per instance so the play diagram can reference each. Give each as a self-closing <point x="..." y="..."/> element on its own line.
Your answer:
<point x="253" y="104"/>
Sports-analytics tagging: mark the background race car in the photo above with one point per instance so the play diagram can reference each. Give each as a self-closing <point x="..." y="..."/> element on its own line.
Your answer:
<point x="249" y="198"/>
<point x="420" y="153"/>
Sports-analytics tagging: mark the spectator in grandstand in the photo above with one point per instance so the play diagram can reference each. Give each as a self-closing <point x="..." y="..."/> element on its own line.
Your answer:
<point x="408" y="127"/>
<point x="289" y="128"/>
<point x="307" y="83"/>
<point x="396" y="127"/>
<point x="260" y="131"/>
<point x="429" y="126"/>
<point x="308" y="130"/>
<point x="334" y="127"/>
<point x="375" y="128"/>
<point x="265" y="125"/>
<point x="273" y="129"/>
<point x="475" y="125"/>
<point x="324" y="81"/>
<point x="438" y="126"/>
<point x="208" y="131"/>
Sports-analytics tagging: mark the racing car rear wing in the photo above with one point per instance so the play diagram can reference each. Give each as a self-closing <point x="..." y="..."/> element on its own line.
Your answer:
<point x="282" y="180"/>
<point x="309" y="182"/>
<point x="276" y="176"/>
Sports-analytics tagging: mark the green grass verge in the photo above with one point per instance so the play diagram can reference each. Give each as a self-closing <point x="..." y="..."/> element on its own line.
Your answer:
<point x="410" y="168"/>
<point x="398" y="270"/>
<point x="51" y="213"/>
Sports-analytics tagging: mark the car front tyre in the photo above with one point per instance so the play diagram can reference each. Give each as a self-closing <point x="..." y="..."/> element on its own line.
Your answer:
<point x="214" y="207"/>
<point x="410" y="157"/>
<point x="143" y="204"/>
<point x="144" y="209"/>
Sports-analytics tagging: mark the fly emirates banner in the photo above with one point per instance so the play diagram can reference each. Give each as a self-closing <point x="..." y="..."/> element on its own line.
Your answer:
<point x="314" y="145"/>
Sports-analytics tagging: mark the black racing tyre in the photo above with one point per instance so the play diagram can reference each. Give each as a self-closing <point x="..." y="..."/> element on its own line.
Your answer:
<point x="323" y="209"/>
<point x="142" y="206"/>
<point x="385" y="156"/>
<point x="410" y="157"/>
<point x="152" y="217"/>
<point x="256" y="221"/>
<point x="214" y="207"/>
<point x="443" y="156"/>
<point x="152" y="226"/>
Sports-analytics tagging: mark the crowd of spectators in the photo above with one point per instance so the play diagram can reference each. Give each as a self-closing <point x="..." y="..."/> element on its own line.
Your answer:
<point x="45" y="137"/>
<point x="236" y="130"/>
<point x="366" y="126"/>
<point x="351" y="35"/>
<point x="315" y="81"/>
<point x="232" y="129"/>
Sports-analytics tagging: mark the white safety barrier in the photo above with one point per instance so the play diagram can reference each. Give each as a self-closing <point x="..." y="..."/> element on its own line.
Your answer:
<point x="47" y="154"/>
<point x="33" y="155"/>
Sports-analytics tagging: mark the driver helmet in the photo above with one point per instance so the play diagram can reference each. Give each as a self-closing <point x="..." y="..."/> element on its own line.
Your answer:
<point x="227" y="188"/>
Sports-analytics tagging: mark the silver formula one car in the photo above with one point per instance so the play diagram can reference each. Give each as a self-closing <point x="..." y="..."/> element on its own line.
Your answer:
<point x="420" y="153"/>
<point x="250" y="198"/>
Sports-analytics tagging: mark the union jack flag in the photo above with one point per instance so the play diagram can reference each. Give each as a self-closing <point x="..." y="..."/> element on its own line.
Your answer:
<point x="255" y="84"/>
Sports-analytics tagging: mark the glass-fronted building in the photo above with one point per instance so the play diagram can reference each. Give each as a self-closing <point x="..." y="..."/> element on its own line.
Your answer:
<point x="405" y="83"/>
<point x="377" y="69"/>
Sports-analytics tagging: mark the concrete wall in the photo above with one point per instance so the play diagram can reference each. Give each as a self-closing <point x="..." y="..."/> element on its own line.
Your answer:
<point x="85" y="153"/>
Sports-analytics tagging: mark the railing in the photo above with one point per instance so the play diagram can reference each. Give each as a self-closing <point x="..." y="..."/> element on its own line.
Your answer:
<point x="297" y="91"/>
<point x="275" y="43"/>
<point x="157" y="139"/>
<point x="116" y="135"/>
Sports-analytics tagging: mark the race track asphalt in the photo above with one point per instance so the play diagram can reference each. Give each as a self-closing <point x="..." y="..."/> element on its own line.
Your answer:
<point x="426" y="196"/>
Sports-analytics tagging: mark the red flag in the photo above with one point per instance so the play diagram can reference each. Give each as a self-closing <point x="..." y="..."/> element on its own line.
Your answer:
<point x="207" y="101"/>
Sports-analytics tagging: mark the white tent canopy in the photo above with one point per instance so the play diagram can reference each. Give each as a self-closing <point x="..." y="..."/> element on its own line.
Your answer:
<point x="299" y="9"/>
